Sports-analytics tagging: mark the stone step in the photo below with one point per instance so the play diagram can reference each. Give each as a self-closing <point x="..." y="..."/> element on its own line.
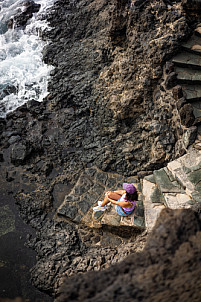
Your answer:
<point x="156" y="196"/>
<point x="188" y="76"/>
<point x="91" y="187"/>
<point x="152" y="209"/>
<point x="193" y="45"/>
<point x="187" y="171"/>
<point x="186" y="59"/>
<point x="173" y="193"/>
<point x="178" y="201"/>
<point x="176" y="186"/>
<point x="192" y="92"/>
<point x="166" y="182"/>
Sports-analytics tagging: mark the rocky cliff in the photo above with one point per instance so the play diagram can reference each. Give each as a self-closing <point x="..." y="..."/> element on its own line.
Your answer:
<point x="110" y="104"/>
<point x="108" y="59"/>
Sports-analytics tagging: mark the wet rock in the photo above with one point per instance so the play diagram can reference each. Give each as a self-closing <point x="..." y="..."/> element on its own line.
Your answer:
<point x="7" y="90"/>
<point x="20" y="20"/>
<point x="58" y="245"/>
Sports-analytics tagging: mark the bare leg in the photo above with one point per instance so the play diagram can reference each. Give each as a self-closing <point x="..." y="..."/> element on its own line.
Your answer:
<point x="112" y="195"/>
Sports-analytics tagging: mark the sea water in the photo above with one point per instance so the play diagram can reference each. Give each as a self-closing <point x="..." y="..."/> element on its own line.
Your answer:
<point x="23" y="74"/>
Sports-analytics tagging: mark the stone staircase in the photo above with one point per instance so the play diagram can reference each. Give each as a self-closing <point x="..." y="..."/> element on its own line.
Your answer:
<point x="176" y="186"/>
<point x="188" y="68"/>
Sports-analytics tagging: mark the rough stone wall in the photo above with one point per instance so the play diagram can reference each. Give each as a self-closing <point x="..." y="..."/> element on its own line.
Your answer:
<point x="108" y="59"/>
<point x="113" y="65"/>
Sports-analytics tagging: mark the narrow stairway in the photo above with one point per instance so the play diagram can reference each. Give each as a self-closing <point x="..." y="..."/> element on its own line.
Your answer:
<point x="176" y="186"/>
<point x="188" y="68"/>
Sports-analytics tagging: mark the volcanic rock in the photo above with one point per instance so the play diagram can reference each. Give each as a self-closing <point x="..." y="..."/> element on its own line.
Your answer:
<point x="167" y="269"/>
<point x="20" y="19"/>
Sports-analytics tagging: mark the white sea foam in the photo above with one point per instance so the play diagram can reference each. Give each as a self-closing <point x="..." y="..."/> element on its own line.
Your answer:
<point x="23" y="74"/>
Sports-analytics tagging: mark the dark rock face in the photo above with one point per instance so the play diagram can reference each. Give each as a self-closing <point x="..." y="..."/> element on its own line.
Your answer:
<point x="187" y="116"/>
<point x="100" y="105"/>
<point x="171" y="80"/>
<point x="168" y="269"/>
<point x="20" y="20"/>
<point x="18" y="153"/>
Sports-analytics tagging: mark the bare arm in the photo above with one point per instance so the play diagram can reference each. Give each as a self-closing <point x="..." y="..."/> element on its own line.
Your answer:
<point x="121" y="192"/>
<point x="120" y="203"/>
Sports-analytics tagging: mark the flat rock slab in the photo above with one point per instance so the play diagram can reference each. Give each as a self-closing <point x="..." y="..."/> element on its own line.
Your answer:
<point x="164" y="183"/>
<point x="192" y="92"/>
<point x="91" y="187"/>
<point x="110" y="217"/>
<point x="196" y="196"/>
<point x="187" y="170"/>
<point x="196" y="112"/>
<point x="150" y="178"/>
<point x="191" y="43"/>
<point x="151" y="210"/>
<point x="178" y="201"/>
<point x="186" y="59"/>
<point x="157" y="196"/>
<point x="188" y="75"/>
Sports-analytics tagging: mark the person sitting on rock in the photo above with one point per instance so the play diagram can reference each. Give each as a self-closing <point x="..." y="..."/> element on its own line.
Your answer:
<point x="124" y="201"/>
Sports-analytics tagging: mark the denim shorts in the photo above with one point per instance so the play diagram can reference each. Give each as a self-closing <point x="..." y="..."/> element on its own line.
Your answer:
<point x="120" y="211"/>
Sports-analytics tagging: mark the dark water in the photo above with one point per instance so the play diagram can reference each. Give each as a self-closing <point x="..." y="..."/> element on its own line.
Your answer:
<point x="15" y="258"/>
